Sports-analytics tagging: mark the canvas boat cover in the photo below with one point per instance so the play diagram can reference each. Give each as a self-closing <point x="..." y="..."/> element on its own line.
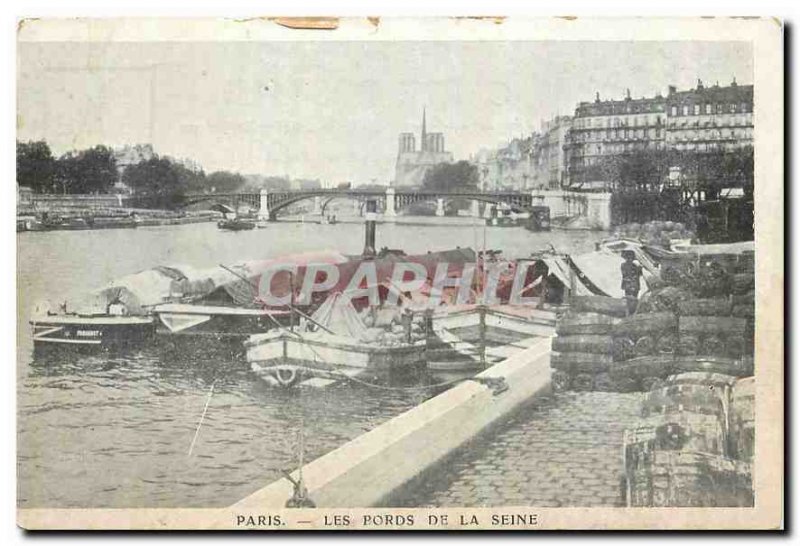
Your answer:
<point x="721" y="248"/>
<point x="242" y="285"/>
<point x="596" y="273"/>
<point x="338" y="315"/>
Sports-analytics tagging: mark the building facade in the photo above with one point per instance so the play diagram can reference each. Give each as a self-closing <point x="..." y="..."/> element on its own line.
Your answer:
<point x="612" y="127"/>
<point x="548" y="157"/>
<point x="709" y="118"/>
<point x="507" y="167"/>
<point x="412" y="164"/>
<point x="697" y="120"/>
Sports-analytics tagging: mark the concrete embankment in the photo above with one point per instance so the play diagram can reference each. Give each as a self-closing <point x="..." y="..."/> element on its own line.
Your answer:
<point x="372" y="467"/>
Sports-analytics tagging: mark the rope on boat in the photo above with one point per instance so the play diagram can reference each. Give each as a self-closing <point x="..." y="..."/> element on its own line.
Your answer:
<point x="202" y="418"/>
<point x="335" y="369"/>
<point x="416" y="388"/>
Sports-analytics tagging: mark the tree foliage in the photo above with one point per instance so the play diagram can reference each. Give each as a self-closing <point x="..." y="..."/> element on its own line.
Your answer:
<point x="459" y="176"/>
<point x="224" y="181"/>
<point x="161" y="181"/>
<point x="36" y="166"/>
<point x="87" y="171"/>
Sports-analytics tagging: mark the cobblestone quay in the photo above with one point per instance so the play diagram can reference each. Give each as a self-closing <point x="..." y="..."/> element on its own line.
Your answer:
<point x="564" y="451"/>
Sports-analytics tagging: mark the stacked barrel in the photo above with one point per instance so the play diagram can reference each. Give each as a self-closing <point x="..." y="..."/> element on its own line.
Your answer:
<point x="714" y="299"/>
<point x="582" y="348"/>
<point x="698" y="316"/>
<point x="694" y="444"/>
<point x="643" y="349"/>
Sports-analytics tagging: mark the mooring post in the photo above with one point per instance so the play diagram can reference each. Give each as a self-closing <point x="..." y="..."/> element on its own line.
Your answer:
<point x="369" y="235"/>
<point x="291" y="299"/>
<point x="482" y="333"/>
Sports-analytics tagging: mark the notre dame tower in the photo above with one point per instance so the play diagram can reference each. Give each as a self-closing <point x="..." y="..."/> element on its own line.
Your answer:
<point x="412" y="164"/>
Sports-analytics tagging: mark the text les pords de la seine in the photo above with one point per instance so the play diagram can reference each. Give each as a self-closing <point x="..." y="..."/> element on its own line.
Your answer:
<point x="382" y="520"/>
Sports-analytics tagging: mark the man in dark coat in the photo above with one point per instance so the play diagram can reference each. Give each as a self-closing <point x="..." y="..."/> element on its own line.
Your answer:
<point x="631" y="273"/>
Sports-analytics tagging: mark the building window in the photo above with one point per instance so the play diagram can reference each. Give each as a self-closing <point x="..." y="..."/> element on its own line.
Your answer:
<point x="733" y="108"/>
<point x="744" y="107"/>
<point x="708" y="108"/>
<point x="696" y="109"/>
<point x="719" y="108"/>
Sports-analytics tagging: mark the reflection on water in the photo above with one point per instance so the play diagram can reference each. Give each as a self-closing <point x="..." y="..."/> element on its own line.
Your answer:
<point x="104" y="430"/>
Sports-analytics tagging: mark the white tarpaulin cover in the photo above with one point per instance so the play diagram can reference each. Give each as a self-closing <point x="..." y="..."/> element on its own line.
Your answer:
<point x="339" y="316"/>
<point x="601" y="268"/>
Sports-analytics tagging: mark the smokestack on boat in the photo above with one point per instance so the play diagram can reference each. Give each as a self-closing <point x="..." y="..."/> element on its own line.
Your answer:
<point x="369" y="234"/>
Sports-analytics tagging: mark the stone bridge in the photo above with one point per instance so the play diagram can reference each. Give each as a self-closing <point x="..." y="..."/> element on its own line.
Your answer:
<point x="390" y="201"/>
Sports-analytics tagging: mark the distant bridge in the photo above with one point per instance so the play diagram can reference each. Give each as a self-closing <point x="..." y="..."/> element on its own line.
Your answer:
<point x="390" y="201"/>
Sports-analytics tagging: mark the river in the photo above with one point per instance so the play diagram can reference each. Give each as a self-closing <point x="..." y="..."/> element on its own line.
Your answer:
<point x="115" y="430"/>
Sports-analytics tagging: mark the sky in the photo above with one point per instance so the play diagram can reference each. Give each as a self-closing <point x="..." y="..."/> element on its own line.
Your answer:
<point x="333" y="111"/>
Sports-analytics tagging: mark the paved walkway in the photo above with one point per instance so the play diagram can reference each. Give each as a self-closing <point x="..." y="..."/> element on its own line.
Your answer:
<point x="565" y="451"/>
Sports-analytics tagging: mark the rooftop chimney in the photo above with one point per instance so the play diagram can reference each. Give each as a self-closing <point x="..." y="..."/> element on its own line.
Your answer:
<point x="699" y="84"/>
<point x="733" y="83"/>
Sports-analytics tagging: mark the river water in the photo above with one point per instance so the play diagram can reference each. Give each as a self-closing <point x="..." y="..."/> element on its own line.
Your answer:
<point x="115" y="430"/>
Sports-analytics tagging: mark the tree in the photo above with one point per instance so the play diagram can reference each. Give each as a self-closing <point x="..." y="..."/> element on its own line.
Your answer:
<point x="713" y="170"/>
<point x="87" y="171"/>
<point x="224" y="181"/>
<point x="36" y="166"/>
<point x="161" y="182"/>
<point x="459" y="176"/>
<point x="645" y="169"/>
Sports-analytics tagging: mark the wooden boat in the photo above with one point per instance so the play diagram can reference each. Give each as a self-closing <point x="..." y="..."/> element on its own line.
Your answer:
<point x="539" y="219"/>
<point x="180" y="319"/>
<point x="236" y="224"/>
<point x="285" y="358"/>
<point x="474" y="338"/>
<point x="90" y="331"/>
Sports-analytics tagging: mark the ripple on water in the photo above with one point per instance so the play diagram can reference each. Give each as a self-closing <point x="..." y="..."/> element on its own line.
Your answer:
<point x="99" y="430"/>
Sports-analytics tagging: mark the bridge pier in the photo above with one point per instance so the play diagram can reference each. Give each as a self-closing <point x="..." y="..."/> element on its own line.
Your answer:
<point x="476" y="208"/>
<point x="369" y="234"/>
<point x="439" y="206"/>
<point x="390" y="212"/>
<point x="317" y="206"/>
<point x="263" y="206"/>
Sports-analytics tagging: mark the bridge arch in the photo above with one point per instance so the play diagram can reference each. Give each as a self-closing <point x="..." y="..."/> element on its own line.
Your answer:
<point x="275" y="201"/>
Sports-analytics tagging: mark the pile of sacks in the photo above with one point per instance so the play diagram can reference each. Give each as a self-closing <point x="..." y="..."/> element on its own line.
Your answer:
<point x="694" y="446"/>
<point x="582" y="348"/>
<point x="655" y="233"/>
<point x="699" y="315"/>
<point x="713" y="301"/>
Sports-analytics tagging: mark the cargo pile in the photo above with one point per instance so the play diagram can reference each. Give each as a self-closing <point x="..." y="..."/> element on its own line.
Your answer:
<point x="694" y="446"/>
<point x="654" y="233"/>
<point x="582" y="348"/>
<point x="712" y="298"/>
<point x="699" y="315"/>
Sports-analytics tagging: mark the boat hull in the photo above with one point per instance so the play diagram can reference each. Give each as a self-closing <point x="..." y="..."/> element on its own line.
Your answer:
<point x="327" y="352"/>
<point x="104" y="332"/>
<point x="216" y="322"/>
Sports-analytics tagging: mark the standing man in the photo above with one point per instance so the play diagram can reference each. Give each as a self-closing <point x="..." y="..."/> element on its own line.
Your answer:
<point x="631" y="272"/>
